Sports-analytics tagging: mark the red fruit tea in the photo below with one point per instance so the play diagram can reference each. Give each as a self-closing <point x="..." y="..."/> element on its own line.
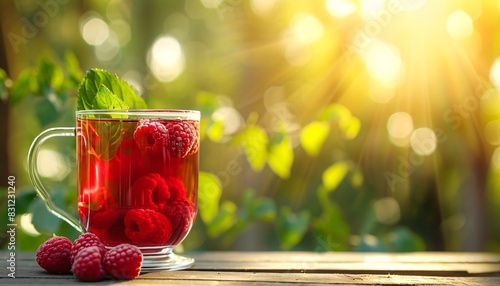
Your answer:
<point x="137" y="179"/>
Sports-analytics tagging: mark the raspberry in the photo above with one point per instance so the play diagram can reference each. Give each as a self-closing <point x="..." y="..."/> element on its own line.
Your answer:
<point x="103" y="219"/>
<point x="88" y="264"/>
<point x="54" y="255"/>
<point x="151" y="136"/>
<point x="123" y="261"/>
<point x="195" y="126"/>
<point x="150" y="191"/>
<point x="86" y="240"/>
<point x="183" y="138"/>
<point x="147" y="227"/>
<point x="180" y="213"/>
<point x="176" y="189"/>
<point x="115" y="234"/>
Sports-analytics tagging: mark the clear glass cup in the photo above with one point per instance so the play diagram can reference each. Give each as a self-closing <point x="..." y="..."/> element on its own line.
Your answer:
<point x="137" y="179"/>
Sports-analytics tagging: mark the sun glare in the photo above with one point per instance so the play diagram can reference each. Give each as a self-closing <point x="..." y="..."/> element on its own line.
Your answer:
<point x="495" y="73"/>
<point x="410" y="5"/>
<point x="384" y="63"/>
<point x="340" y="8"/>
<point x="166" y="59"/>
<point x="423" y="141"/>
<point x="369" y="8"/>
<point x="262" y="7"/>
<point x="93" y="29"/>
<point x="52" y="164"/>
<point x="306" y="28"/>
<point x="387" y="210"/>
<point x="492" y="132"/>
<point x="459" y="25"/>
<point x="496" y="158"/>
<point x="400" y="127"/>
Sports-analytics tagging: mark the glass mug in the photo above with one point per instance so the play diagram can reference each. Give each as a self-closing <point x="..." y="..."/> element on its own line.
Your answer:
<point x="137" y="179"/>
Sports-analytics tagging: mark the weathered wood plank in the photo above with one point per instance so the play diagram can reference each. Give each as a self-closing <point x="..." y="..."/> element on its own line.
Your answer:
<point x="382" y="263"/>
<point x="435" y="269"/>
<point x="417" y="257"/>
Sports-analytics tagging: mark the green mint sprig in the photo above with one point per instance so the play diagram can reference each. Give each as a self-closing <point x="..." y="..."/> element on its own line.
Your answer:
<point x="102" y="90"/>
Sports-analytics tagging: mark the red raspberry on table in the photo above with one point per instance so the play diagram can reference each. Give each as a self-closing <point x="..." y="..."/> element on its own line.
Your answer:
<point x="87" y="265"/>
<point x="123" y="261"/>
<point x="180" y="213"/>
<point x="151" y="136"/>
<point x="183" y="138"/>
<point x="54" y="255"/>
<point x="86" y="240"/>
<point x="147" y="227"/>
<point x="150" y="191"/>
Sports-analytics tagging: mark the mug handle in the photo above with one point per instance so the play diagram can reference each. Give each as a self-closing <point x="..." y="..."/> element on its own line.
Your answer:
<point x="35" y="178"/>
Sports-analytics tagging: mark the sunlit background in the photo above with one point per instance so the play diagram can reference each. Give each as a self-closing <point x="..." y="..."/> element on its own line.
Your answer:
<point x="401" y="100"/>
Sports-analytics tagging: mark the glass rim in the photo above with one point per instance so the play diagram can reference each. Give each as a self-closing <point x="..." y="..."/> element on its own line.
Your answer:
<point x="163" y="113"/>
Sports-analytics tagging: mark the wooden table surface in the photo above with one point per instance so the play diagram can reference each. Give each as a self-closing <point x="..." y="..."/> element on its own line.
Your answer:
<point x="296" y="268"/>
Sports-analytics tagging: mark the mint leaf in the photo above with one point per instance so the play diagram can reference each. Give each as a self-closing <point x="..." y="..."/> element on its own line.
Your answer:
<point x="105" y="99"/>
<point x="110" y="134"/>
<point x="94" y="79"/>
